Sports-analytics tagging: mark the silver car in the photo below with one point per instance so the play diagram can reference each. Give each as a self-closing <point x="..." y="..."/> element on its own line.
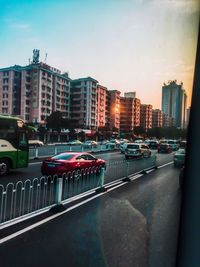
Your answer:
<point x="137" y="150"/>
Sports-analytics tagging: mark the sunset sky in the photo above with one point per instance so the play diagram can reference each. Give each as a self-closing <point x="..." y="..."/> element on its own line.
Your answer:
<point x="128" y="45"/>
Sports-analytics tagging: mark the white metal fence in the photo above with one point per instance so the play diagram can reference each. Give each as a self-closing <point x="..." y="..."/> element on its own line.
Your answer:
<point x="50" y="150"/>
<point x="31" y="196"/>
<point x="26" y="197"/>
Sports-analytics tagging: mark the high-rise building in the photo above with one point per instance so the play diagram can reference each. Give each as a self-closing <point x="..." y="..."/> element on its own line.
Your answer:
<point x="113" y="100"/>
<point x="146" y="116"/>
<point x="10" y="90"/>
<point x="137" y="104"/>
<point x="84" y="102"/>
<point x="157" y="120"/>
<point x="126" y="114"/>
<point x="34" y="92"/>
<point x="101" y="105"/>
<point x="184" y="110"/>
<point x="187" y="116"/>
<point x="167" y="121"/>
<point x="174" y="100"/>
<point x="130" y="94"/>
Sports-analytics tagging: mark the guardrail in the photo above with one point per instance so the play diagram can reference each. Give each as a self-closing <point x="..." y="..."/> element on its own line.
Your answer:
<point x="28" y="197"/>
<point x="50" y="150"/>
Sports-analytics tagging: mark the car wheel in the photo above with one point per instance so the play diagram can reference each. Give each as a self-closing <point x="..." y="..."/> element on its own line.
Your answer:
<point x="126" y="157"/>
<point x="4" y="166"/>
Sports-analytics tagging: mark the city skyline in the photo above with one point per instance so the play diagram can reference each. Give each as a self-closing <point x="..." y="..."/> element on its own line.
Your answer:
<point x="125" y="45"/>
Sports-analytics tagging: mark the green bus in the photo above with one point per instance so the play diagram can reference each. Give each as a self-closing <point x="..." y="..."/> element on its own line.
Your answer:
<point x="14" y="150"/>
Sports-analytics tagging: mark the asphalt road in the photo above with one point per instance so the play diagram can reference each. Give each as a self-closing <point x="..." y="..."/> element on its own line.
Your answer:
<point x="133" y="225"/>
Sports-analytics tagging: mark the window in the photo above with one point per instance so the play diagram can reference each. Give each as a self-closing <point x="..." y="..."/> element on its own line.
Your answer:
<point x="5" y="80"/>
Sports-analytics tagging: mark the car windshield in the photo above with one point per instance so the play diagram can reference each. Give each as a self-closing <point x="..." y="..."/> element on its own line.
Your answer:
<point x="63" y="156"/>
<point x="133" y="146"/>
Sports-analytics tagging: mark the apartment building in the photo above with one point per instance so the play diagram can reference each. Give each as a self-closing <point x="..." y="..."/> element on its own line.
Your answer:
<point x="157" y="120"/>
<point x="84" y="102"/>
<point x="167" y="121"/>
<point x="130" y="94"/>
<point x="126" y="114"/>
<point x="34" y="92"/>
<point x="174" y="101"/>
<point x="113" y="102"/>
<point x="146" y="116"/>
<point x="101" y="105"/>
<point x="137" y="104"/>
<point x="10" y="90"/>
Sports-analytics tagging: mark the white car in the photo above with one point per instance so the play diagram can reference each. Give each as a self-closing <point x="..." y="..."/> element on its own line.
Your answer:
<point x="35" y="143"/>
<point x="134" y="150"/>
<point x="123" y="147"/>
<point x="75" y="143"/>
<point x="174" y="144"/>
<point x="90" y="143"/>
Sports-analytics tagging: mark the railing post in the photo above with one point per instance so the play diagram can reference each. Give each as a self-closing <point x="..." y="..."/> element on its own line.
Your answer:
<point x="102" y="179"/>
<point x="59" y="185"/>
<point x="127" y="179"/>
<point x="36" y="153"/>
<point x="59" y="189"/>
<point x="56" y="149"/>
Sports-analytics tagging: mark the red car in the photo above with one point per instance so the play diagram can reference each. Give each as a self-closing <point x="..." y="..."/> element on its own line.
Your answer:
<point x="70" y="161"/>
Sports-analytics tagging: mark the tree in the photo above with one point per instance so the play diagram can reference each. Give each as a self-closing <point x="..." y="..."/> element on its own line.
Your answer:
<point x="42" y="131"/>
<point x="139" y="130"/>
<point x="81" y="136"/>
<point x="55" y="121"/>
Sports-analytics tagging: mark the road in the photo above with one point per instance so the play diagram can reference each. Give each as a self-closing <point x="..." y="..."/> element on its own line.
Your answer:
<point x="116" y="167"/>
<point x="133" y="225"/>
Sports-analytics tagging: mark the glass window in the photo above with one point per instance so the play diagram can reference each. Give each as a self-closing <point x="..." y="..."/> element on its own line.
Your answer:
<point x="63" y="156"/>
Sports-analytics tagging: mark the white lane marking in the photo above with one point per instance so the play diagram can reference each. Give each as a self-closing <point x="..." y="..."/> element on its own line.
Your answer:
<point x="35" y="163"/>
<point x="164" y="165"/>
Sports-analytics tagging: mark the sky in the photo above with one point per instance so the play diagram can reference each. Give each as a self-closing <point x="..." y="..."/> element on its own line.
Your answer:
<point x="127" y="45"/>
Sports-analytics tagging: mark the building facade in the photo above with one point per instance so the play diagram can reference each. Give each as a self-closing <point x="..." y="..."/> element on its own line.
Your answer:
<point x="10" y="90"/>
<point x="126" y="114"/>
<point x="157" y="120"/>
<point x="137" y="104"/>
<point x="113" y="100"/>
<point x="174" y="100"/>
<point x="84" y="102"/>
<point x="34" y="92"/>
<point x="187" y="116"/>
<point x="146" y="116"/>
<point x="101" y="105"/>
<point x="130" y="94"/>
